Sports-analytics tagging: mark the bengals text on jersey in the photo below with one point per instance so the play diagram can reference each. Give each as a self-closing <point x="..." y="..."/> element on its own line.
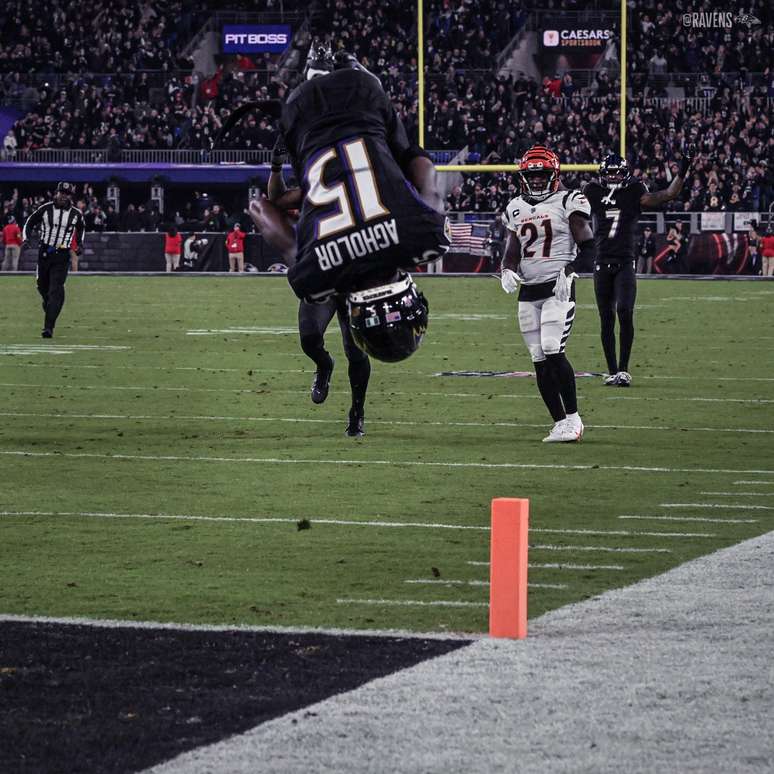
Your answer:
<point x="543" y="230"/>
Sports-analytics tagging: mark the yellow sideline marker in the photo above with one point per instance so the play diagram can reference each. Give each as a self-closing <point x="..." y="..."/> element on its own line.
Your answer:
<point x="508" y="167"/>
<point x="508" y="568"/>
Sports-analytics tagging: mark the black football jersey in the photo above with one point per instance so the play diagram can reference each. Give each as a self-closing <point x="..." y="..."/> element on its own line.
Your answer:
<point x="615" y="211"/>
<point x="360" y="216"/>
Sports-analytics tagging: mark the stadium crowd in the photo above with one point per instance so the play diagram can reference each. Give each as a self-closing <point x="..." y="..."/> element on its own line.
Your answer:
<point x="495" y="117"/>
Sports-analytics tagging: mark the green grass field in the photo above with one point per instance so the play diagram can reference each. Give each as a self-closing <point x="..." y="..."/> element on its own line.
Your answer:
<point x="104" y="443"/>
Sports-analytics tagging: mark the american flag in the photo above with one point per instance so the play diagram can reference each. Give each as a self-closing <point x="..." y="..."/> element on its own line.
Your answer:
<point x="469" y="238"/>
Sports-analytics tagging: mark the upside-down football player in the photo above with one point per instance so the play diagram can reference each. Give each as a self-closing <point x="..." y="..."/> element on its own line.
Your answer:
<point x="549" y="235"/>
<point x="616" y="203"/>
<point x="370" y="211"/>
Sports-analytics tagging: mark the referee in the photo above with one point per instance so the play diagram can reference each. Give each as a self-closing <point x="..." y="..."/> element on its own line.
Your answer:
<point x="58" y="221"/>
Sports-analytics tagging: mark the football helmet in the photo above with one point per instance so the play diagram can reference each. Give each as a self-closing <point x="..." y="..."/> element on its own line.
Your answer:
<point x="388" y="322"/>
<point x="614" y="169"/>
<point x="319" y="60"/>
<point x="538" y="173"/>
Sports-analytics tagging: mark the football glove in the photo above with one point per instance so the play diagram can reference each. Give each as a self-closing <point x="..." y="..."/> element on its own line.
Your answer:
<point x="509" y="280"/>
<point x="279" y="154"/>
<point x="687" y="160"/>
<point x="563" y="286"/>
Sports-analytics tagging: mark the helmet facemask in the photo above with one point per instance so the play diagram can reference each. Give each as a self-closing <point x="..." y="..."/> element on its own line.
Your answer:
<point x="539" y="182"/>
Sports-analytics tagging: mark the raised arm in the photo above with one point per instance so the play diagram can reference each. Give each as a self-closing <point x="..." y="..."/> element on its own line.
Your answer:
<point x="657" y="198"/>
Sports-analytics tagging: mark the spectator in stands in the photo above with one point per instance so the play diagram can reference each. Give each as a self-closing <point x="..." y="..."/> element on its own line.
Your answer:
<point x="172" y="244"/>
<point x="754" y="244"/>
<point x="235" y="245"/>
<point x="12" y="240"/>
<point x="767" y="253"/>
<point x="645" y="251"/>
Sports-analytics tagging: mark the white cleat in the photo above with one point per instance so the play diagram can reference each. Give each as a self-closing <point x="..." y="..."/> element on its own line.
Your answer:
<point x="611" y="380"/>
<point x="624" y="379"/>
<point x="575" y="424"/>
<point x="564" y="431"/>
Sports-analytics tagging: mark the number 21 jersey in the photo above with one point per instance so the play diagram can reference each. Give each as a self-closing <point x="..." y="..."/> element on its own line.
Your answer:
<point x="543" y="229"/>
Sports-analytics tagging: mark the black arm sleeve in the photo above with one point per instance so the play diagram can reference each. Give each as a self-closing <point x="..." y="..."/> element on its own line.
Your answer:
<point x="80" y="231"/>
<point x="33" y="222"/>
<point x="585" y="259"/>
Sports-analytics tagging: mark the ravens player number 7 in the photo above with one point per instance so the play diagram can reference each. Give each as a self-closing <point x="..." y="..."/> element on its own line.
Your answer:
<point x="549" y="235"/>
<point x="616" y="203"/>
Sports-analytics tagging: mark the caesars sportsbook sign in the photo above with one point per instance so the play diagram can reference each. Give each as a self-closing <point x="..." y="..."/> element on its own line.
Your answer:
<point x="572" y="46"/>
<point x="255" y="38"/>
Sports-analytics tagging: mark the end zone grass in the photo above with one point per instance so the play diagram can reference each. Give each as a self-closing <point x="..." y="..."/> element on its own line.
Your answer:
<point x="158" y="470"/>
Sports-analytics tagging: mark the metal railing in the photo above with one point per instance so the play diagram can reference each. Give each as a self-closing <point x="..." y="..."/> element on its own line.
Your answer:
<point x="136" y="156"/>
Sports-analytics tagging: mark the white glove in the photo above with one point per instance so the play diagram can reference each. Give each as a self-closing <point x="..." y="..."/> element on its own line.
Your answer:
<point x="509" y="280"/>
<point x="563" y="286"/>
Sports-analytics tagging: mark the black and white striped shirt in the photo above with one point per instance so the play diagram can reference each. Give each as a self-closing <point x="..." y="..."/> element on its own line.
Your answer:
<point x="57" y="226"/>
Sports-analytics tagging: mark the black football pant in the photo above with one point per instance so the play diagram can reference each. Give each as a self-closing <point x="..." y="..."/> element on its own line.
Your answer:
<point x="53" y="267"/>
<point x="615" y="288"/>
<point x="313" y="320"/>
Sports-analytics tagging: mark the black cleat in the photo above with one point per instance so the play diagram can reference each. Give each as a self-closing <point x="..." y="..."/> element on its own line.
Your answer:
<point x="321" y="383"/>
<point x="355" y="426"/>
<point x="47" y="333"/>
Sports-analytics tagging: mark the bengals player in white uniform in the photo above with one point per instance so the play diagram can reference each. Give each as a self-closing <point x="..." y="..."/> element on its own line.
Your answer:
<point x="548" y="232"/>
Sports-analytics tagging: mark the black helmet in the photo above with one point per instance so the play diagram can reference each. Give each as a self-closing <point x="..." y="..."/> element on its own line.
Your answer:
<point x="388" y="322"/>
<point x="319" y="60"/>
<point x="64" y="188"/>
<point x="614" y="169"/>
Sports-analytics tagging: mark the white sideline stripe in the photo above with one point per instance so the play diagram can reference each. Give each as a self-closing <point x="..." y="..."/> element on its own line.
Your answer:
<point x="397" y="422"/>
<point x="691" y="518"/>
<point x="739" y="494"/>
<point x="397" y="463"/>
<point x="248" y="519"/>
<point x="741" y="507"/>
<point x="757" y="483"/>
<point x="624" y="533"/>
<point x="409" y="603"/>
<point x="557" y="566"/>
<point x="510" y="396"/>
<point x="443" y="582"/>
<point x="604" y="549"/>
<point x="185" y="627"/>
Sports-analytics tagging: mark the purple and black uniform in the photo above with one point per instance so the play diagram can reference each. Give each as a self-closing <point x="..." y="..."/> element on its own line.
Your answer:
<point x="360" y="219"/>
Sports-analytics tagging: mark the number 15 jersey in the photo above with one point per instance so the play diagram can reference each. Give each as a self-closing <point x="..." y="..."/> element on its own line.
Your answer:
<point x="543" y="229"/>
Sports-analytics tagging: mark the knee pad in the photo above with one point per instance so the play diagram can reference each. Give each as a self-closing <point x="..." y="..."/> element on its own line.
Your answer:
<point x="311" y="341"/>
<point x="529" y="324"/>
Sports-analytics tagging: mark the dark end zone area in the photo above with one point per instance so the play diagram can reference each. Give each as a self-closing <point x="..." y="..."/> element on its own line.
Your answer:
<point x="77" y="698"/>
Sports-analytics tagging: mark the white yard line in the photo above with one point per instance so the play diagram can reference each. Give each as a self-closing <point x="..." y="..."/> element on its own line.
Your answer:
<point x="396" y="463"/>
<point x="739" y="494"/>
<point x="396" y="422"/>
<point x="700" y="400"/>
<point x="250" y="519"/>
<point x="690" y="519"/>
<point x="444" y="582"/>
<point x="602" y="549"/>
<point x="409" y="603"/>
<point x="740" y="506"/>
<point x="757" y="483"/>
<point x="623" y="533"/>
<point x="557" y="566"/>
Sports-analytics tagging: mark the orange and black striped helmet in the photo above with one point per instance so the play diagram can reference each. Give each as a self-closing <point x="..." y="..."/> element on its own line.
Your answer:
<point x="539" y="170"/>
